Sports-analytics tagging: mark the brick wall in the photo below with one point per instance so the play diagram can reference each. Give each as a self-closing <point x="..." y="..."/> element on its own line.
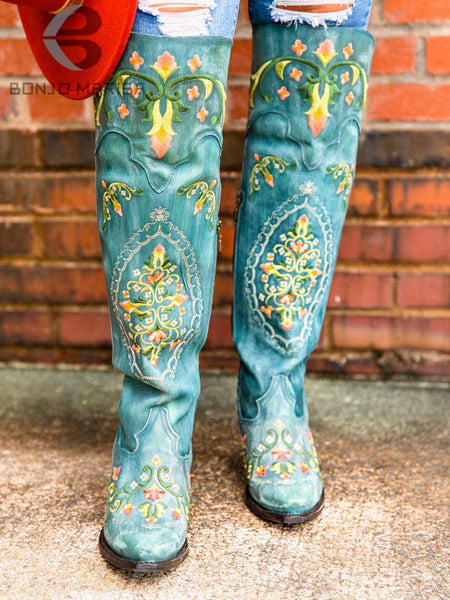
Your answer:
<point x="389" y="302"/>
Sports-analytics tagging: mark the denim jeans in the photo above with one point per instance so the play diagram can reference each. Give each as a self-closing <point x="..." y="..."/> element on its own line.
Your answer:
<point x="219" y="18"/>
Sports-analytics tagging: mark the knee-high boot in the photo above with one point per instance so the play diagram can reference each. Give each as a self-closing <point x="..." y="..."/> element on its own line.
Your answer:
<point x="308" y="91"/>
<point x="159" y="137"/>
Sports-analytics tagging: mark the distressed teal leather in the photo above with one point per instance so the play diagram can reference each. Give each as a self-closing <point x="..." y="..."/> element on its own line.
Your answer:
<point x="158" y="144"/>
<point x="307" y="94"/>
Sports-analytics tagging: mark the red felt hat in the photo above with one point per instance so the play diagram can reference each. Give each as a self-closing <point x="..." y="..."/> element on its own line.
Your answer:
<point x="77" y="43"/>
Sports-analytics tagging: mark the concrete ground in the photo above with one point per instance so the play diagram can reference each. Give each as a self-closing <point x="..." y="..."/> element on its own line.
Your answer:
<point x="384" y="455"/>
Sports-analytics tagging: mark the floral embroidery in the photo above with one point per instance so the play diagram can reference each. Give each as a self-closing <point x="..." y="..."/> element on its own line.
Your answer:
<point x="206" y="196"/>
<point x="123" y="111"/>
<point x="320" y="87"/>
<point x="202" y="114"/>
<point x="298" y="47"/>
<point x="280" y="454"/>
<point x="348" y="51"/>
<point x="349" y="98"/>
<point x="128" y="282"/>
<point x="136" y="61"/>
<point x="192" y="93"/>
<point x="114" y="192"/>
<point x="262" y="167"/>
<point x="290" y="273"/>
<point x="345" y="77"/>
<point x="345" y="173"/>
<point x="134" y="91"/>
<point x="283" y="93"/>
<point x="156" y="485"/>
<point x="153" y="303"/>
<point x="194" y="63"/>
<point x="163" y="106"/>
<point x="296" y="74"/>
<point x="288" y="269"/>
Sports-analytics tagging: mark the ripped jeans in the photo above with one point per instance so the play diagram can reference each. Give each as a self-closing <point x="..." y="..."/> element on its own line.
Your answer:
<point x="207" y="17"/>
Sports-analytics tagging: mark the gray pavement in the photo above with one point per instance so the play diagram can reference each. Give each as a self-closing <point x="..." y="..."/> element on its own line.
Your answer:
<point x="384" y="455"/>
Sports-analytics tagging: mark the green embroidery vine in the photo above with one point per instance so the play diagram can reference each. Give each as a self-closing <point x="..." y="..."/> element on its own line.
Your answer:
<point x="121" y="499"/>
<point x="206" y="196"/>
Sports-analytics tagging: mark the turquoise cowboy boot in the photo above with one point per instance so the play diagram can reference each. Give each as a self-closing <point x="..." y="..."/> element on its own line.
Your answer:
<point x="158" y="144"/>
<point x="307" y="94"/>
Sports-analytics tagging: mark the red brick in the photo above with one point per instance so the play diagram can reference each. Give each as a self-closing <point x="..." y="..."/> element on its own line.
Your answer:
<point x="228" y="231"/>
<point x="46" y="193"/>
<point x="16" y="237"/>
<point x="84" y="328"/>
<point x="220" y="334"/>
<point x="230" y="187"/>
<point x="405" y="11"/>
<point x="367" y="243"/>
<point x="422" y="197"/>
<point x="16" y="58"/>
<point x="223" y="288"/>
<point x="438" y="55"/>
<point x="363" y="200"/>
<point x="53" y="107"/>
<point x="71" y="239"/>
<point x="361" y="290"/>
<point x="409" y="102"/>
<point x="9" y="16"/>
<point x="52" y="284"/>
<point x="25" y="326"/>
<point x="388" y="333"/>
<point x="423" y="290"/>
<point x="241" y="57"/>
<point x="238" y="102"/>
<point x="394" y="55"/>
<point x="6" y="103"/>
<point x="422" y="243"/>
<point x="407" y="243"/>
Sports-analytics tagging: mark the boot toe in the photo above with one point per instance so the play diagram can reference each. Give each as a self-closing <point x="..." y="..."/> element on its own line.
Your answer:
<point x="298" y="498"/>
<point x="155" y="546"/>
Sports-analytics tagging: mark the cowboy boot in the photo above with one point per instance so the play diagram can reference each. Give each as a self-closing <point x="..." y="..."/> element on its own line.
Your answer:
<point x="307" y="94"/>
<point x="158" y="143"/>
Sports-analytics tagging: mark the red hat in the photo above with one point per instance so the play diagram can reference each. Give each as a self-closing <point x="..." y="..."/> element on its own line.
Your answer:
<point x="77" y="43"/>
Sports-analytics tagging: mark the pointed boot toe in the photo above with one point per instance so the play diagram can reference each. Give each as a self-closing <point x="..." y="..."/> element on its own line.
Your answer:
<point x="154" y="546"/>
<point x="299" y="498"/>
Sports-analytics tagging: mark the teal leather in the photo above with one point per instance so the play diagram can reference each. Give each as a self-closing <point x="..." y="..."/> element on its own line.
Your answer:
<point x="158" y="144"/>
<point x="306" y="99"/>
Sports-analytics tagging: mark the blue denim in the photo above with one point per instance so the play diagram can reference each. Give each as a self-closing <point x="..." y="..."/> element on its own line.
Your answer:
<point x="260" y="14"/>
<point x="222" y="22"/>
<point x="224" y="16"/>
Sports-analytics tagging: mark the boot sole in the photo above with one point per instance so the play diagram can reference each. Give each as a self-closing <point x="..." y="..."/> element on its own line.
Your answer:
<point x="283" y="518"/>
<point x="137" y="566"/>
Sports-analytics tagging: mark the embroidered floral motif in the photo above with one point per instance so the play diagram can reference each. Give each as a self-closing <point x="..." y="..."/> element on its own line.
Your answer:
<point x="113" y="194"/>
<point x="290" y="273"/>
<point x="155" y="488"/>
<point x="153" y="306"/>
<point x="288" y="269"/>
<point x="320" y="85"/>
<point x="163" y="104"/>
<point x="205" y="195"/>
<point x="280" y="454"/>
<point x="158" y="288"/>
<point x="345" y="173"/>
<point x="262" y="167"/>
